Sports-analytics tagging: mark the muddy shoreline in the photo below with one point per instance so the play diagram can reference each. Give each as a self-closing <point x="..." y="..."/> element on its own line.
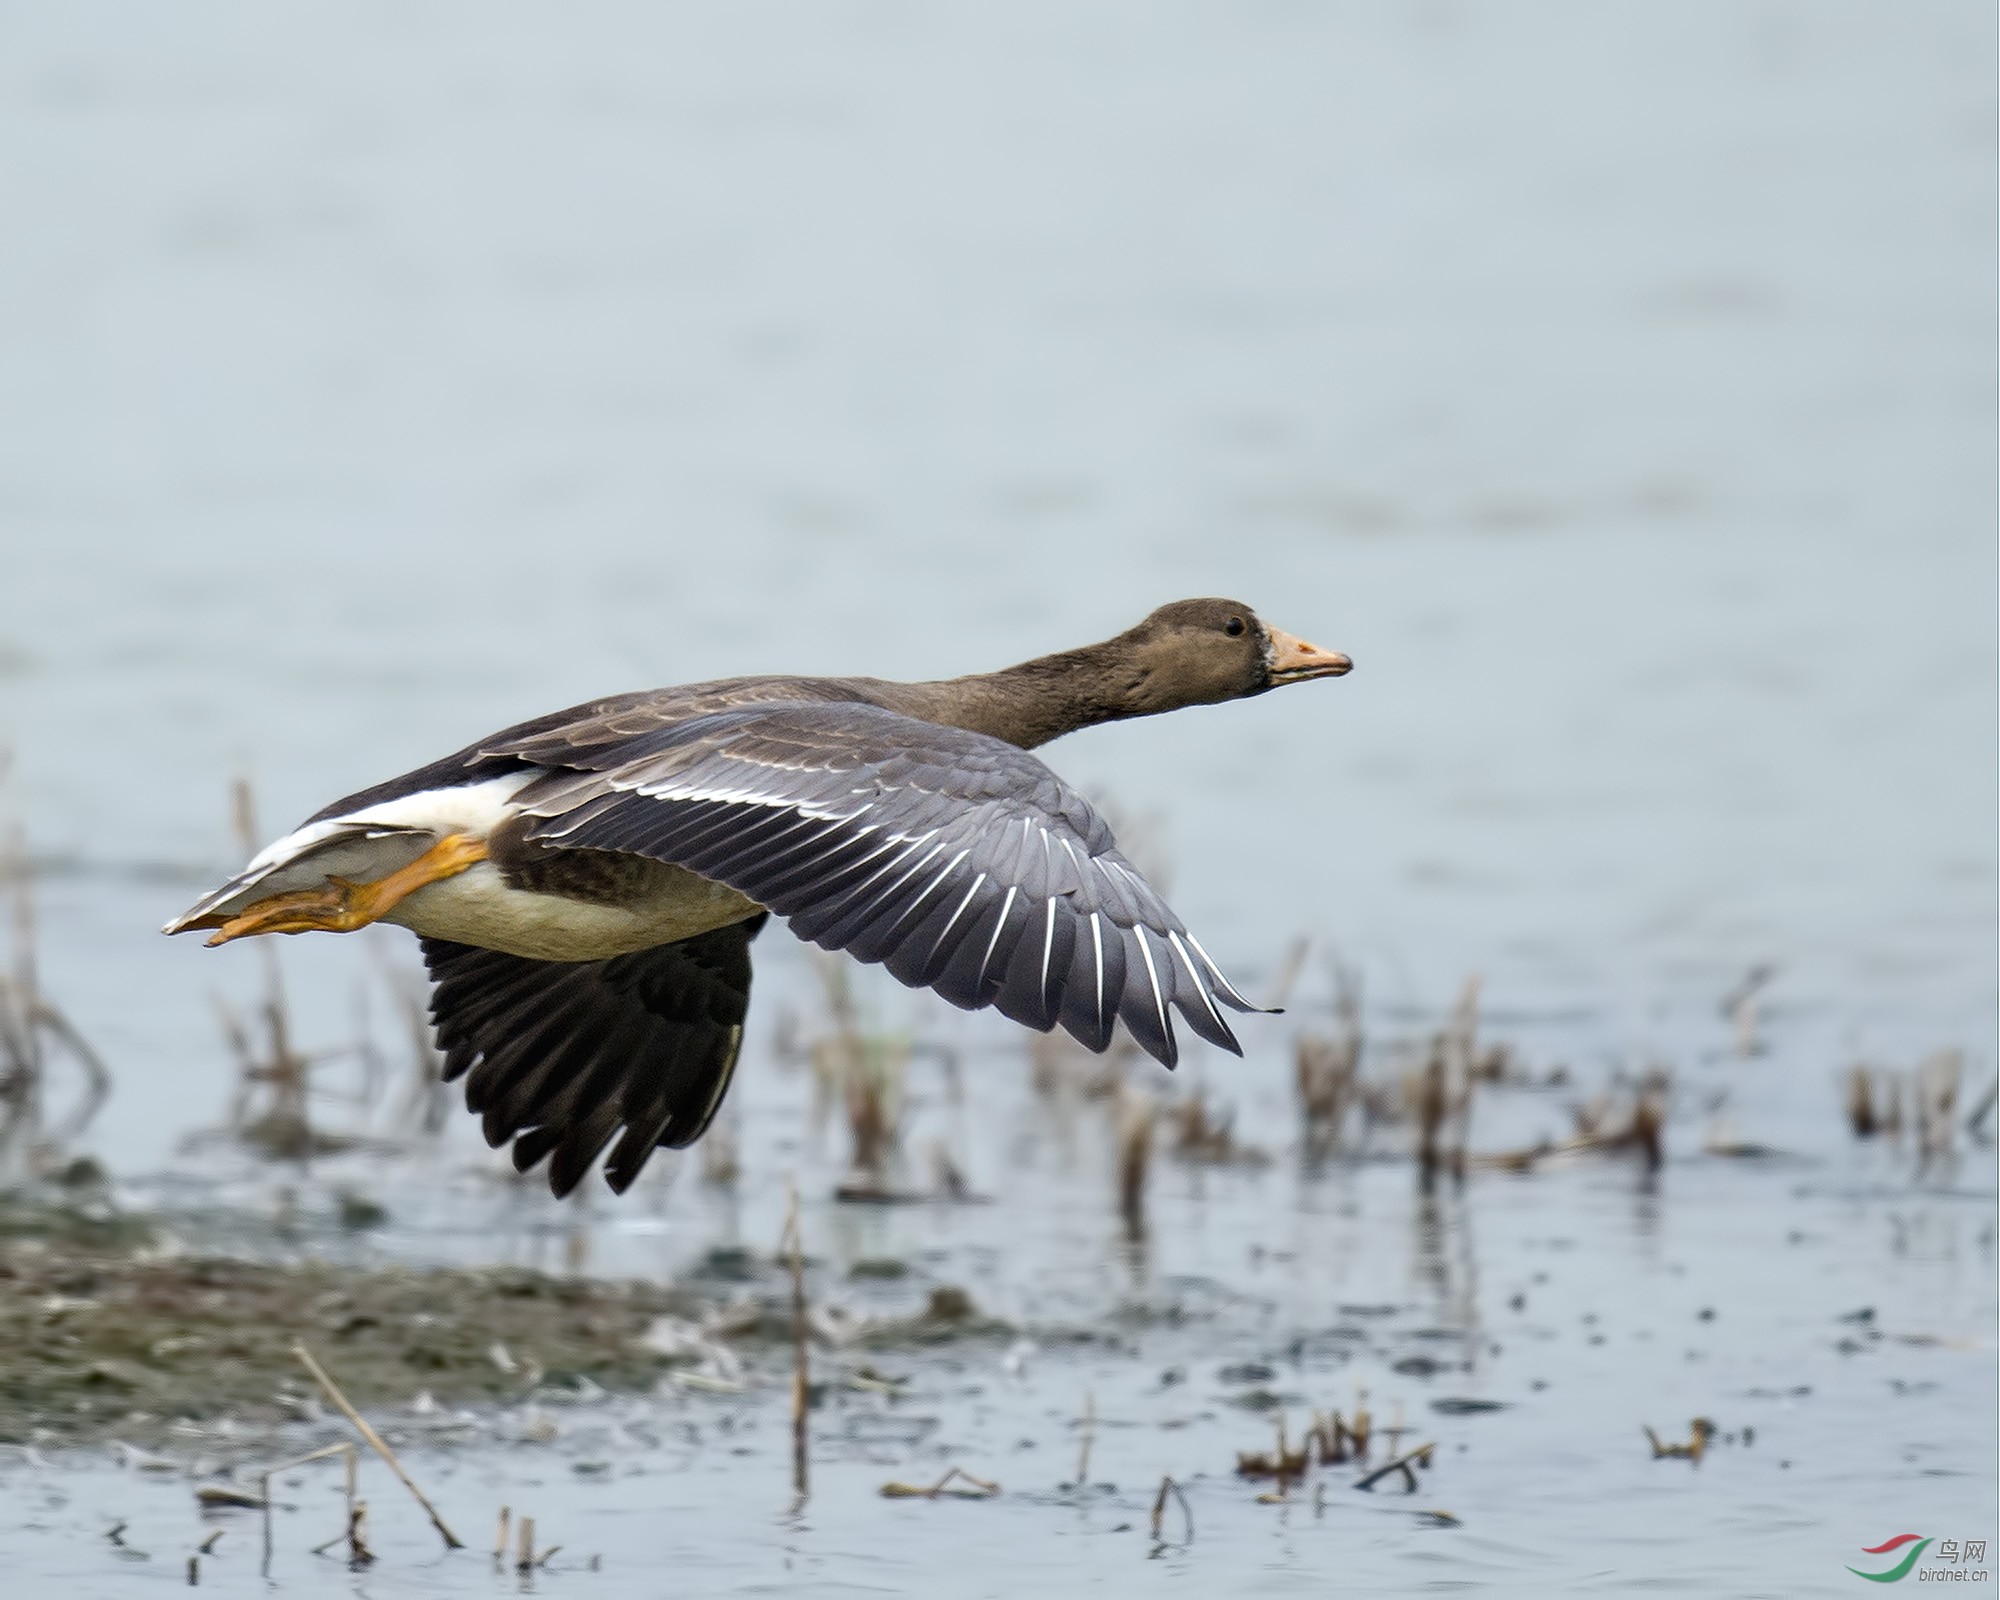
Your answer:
<point x="113" y="1331"/>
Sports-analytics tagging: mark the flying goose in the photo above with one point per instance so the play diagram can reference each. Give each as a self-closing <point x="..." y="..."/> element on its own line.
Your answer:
<point x="585" y="886"/>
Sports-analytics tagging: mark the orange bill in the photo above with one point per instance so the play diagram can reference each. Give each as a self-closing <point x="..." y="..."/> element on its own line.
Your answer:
<point x="1294" y="661"/>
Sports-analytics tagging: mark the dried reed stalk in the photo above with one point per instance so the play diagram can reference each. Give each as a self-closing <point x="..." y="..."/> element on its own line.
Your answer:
<point x="344" y="1449"/>
<point x="982" y="1488"/>
<point x="376" y="1442"/>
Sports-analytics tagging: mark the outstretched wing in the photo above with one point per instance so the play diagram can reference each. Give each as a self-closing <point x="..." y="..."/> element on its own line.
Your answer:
<point x="960" y="862"/>
<point x="565" y="1054"/>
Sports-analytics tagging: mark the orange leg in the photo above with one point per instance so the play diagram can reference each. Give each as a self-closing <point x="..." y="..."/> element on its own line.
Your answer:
<point x="342" y="906"/>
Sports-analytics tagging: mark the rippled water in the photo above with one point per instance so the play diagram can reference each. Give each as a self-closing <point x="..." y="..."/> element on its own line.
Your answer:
<point x="1615" y="386"/>
<point x="1834" y="1320"/>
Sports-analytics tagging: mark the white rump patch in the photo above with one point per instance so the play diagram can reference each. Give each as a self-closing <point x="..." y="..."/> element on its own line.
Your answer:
<point x="365" y="844"/>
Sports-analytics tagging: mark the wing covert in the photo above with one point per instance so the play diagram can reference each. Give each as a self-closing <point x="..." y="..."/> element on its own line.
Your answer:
<point x="960" y="862"/>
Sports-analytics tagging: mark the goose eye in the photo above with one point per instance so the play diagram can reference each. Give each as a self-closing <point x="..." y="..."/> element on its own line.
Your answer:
<point x="1233" y="627"/>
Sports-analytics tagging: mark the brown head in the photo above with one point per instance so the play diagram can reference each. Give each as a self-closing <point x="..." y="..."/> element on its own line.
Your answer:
<point x="1199" y="652"/>
<point x="1190" y="653"/>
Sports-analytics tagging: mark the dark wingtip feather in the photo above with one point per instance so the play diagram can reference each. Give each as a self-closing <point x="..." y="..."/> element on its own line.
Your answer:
<point x="579" y="1147"/>
<point x="1207" y="1025"/>
<point x="562" y="1055"/>
<point x="1142" y="1020"/>
<point x="1162" y="1047"/>
<point x="532" y="1147"/>
<point x="629" y="1155"/>
<point x="1222" y="988"/>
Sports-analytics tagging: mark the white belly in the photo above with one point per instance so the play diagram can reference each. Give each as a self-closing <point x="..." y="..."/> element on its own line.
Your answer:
<point x="477" y="907"/>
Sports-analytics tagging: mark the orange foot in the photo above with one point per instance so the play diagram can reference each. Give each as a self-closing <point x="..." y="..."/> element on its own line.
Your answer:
<point x="342" y="906"/>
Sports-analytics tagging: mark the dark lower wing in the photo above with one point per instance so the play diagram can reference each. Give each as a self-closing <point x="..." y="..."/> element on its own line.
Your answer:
<point x="565" y="1055"/>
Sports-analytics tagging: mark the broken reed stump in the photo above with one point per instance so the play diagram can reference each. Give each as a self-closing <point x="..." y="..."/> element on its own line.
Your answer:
<point x="1326" y="1438"/>
<point x="1739" y="1008"/>
<point x="272" y="1100"/>
<point x="1284" y="1464"/>
<point x="1445" y="1087"/>
<point x="1601" y="1129"/>
<point x="1169" y="1487"/>
<point x="1326" y="1071"/>
<point x="1861" y="1102"/>
<point x="1649" y="1117"/>
<point x="1323" y="1076"/>
<point x="427" y="1100"/>
<point x="863" y="1073"/>
<point x="1439" y="1093"/>
<point x="1980" y="1110"/>
<point x="720" y="1164"/>
<point x="283" y="1128"/>
<point x="801" y="1357"/>
<point x="1874" y="1102"/>
<point x="1289" y="969"/>
<point x="1934" y="1087"/>
<point x="1461" y="1042"/>
<point x="354" y="1536"/>
<point x="26" y="983"/>
<point x="271" y="1107"/>
<point x="32" y="1031"/>
<point x="981" y="1488"/>
<point x="346" y="1449"/>
<point x="1089" y="1433"/>
<point x="871" y="1092"/>
<point x="1700" y="1431"/>
<point x="1642" y="1129"/>
<point x="1137" y="1112"/>
<point x="1430" y="1110"/>
<point x="1405" y="1464"/>
<point x="1208" y="1140"/>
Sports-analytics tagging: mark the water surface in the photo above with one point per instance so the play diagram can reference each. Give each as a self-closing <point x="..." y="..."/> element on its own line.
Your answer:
<point x="1616" y="387"/>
